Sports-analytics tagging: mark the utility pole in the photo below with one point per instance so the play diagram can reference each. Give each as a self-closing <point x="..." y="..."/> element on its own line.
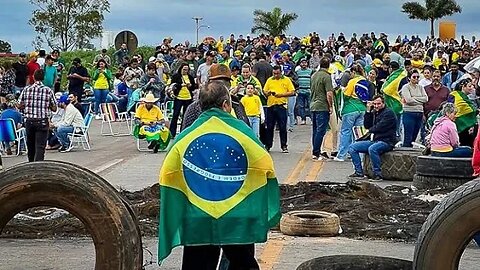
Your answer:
<point x="197" y="21"/>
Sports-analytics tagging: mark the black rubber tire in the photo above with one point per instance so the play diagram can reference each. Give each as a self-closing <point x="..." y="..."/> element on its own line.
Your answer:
<point x="355" y="262"/>
<point x="431" y="182"/>
<point x="445" y="167"/>
<point x="108" y="218"/>
<point x="449" y="229"/>
<point x="399" y="164"/>
<point x="310" y="223"/>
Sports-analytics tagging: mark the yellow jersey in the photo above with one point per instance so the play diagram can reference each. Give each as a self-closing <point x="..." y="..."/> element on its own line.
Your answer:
<point x="147" y="116"/>
<point x="184" y="94"/>
<point x="279" y="86"/>
<point x="101" y="82"/>
<point x="252" y="105"/>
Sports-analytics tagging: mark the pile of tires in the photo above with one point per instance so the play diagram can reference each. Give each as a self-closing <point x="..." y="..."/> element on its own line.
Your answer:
<point x="397" y="165"/>
<point x="108" y="218"/>
<point x="441" y="172"/>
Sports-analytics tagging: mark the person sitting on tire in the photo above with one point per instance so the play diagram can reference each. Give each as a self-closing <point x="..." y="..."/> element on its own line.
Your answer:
<point x="382" y="123"/>
<point x="444" y="140"/>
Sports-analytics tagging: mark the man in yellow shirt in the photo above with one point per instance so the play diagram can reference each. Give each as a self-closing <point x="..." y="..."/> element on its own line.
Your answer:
<point x="277" y="89"/>
<point x="151" y="124"/>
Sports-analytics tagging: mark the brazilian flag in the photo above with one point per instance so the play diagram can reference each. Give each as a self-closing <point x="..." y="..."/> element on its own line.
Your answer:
<point x="466" y="112"/>
<point x="217" y="186"/>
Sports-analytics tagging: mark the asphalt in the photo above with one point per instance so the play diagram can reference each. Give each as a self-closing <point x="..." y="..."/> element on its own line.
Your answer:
<point x="120" y="163"/>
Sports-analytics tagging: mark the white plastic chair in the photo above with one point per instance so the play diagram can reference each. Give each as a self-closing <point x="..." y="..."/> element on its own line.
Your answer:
<point x="80" y="134"/>
<point x="110" y="114"/>
<point x="10" y="133"/>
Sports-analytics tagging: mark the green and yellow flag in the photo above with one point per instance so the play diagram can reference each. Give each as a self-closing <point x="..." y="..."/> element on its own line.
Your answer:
<point x="390" y="90"/>
<point x="217" y="186"/>
<point x="466" y="112"/>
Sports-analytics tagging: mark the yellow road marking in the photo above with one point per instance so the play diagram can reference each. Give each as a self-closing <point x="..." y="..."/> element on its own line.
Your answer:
<point x="297" y="170"/>
<point x="271" y="253"/>
<point x="314" y="171"/>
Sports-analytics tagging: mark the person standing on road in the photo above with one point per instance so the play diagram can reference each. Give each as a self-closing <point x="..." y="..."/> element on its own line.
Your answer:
<point x="77" y="76"/>
<point x="382" y="123"/>
<point x="103" y="79"/>
<point x="21" y="73"/>
<point x="36" y="101"/>
<point x="277" y="89"/>
<point x="413" y="99"/>
<point x="321" y="105"/>
<point x="303" y="96"/>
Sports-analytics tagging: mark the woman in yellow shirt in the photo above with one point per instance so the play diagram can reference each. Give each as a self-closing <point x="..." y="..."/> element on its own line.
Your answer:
<point x="102" y="78"/>
<point x="183" y="87"/>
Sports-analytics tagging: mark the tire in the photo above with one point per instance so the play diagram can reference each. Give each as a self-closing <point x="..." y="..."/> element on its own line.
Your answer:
<point x="399" y="164"/>
<point x="108" y="218"/>
<point x="445" y="167"/>
<point x="310" y="223"/>
<point x="355" y="262"/>
<point x="448" y="229"/>
<point x="431" y="182"/>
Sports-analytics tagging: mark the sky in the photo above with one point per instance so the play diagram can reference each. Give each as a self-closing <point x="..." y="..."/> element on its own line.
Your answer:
<point x="152" y="20"/>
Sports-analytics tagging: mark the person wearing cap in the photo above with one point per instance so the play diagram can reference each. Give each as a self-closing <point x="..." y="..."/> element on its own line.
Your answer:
<point x="71" y="119"/>
<point x="10" y="111"/>
<point x="77" y="76"/>
<point x="121" y="53"/>
<point x="237" y="60"/>
<point x="151" y="124"/>
<point x="50" y="72"/>
<point x="32" y="66"/>
<point x="103" y="55"/>
<point x="36" y="101"/>
<point x="21" y="73"/>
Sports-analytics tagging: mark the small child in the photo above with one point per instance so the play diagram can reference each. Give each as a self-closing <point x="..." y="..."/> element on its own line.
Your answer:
<point x="253" y="109"/>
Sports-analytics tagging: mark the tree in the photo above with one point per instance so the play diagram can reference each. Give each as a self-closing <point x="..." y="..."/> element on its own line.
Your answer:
<point x="432" y="11"/>
<point x="272" y="22"/>
<point x="68" y="24"/>
<point x="5" y="47"/>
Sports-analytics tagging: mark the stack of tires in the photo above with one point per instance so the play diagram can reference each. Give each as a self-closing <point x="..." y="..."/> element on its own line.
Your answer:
<point x="442" y="172"/>
<point x="397" y="165"/>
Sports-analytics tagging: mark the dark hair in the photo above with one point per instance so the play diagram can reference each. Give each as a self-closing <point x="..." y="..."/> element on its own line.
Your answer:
<point x="394" y="65"/>
<point x="277" y="67"/>
<point x="100" y="61"/>
<point x="462" y="83"/>
<point x="39" y="75"/>
<point x="151" y="66"/>
<point x="413" y="71"/>
<point x="214" y="95"/>
<point x="104" y="50"/>
<point x="407" y="63"/>
<point x="324" y="62"/>
<point x="181" y="67"/>
<point x="380" y="97"/>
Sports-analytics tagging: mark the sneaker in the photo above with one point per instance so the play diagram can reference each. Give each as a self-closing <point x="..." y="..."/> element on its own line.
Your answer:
<point x="376" y="178"/>
<point x="320" y="158"/>
<point x="357" y="175"/>
<point x="98" y="117"/>
<point x="65" y="149"/>
<point x="325" y="155"/>
<point x="314" y="157"/>
<point x="284" y="150"/>
<point x="156" y="148"/>
<point x="333" y="154"/>
<point x="303" y="123"/>
<point x="9" y="152"/>
<point x="290" y="129"/>
<point x="338" y="159"/>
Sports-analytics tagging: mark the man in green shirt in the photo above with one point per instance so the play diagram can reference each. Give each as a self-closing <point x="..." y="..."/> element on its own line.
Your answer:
<point x="50" y="72"/>
<point x="321" y="105"/>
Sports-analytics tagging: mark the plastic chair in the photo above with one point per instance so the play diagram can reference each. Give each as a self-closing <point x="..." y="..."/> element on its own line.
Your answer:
<point x="80" y="134"/>
<point x="110" y="114"/>
<point x="168" y="109"/>
<point x="86" y="108"/>
<point x="10" y="133"/>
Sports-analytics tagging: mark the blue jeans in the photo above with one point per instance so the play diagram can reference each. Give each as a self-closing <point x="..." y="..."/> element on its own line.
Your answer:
<point x="349" y="121"/>
<point x="276" y="114"/>
<point x="62" y="135"/>
<point x="255" y="124"/>
<point x="412" y="122"/>
<point x="374" y="150"/>
<point x="303" y="104"/>
<point x="100" y="97"/>
<point x="461" y="151"/>
<point x="291" y="111"/>
<point x="319" y="128"/>
<point x="399" y="127"/>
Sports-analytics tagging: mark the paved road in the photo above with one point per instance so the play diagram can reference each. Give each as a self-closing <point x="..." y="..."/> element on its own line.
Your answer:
<point x="118" y="161"/>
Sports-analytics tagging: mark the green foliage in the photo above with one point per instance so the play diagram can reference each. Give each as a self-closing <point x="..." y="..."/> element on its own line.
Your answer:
<point x="5" y="47"/>
<point x="432" y="11"/>
<point x="68" y="24"/>
<point x="272" y="22"/>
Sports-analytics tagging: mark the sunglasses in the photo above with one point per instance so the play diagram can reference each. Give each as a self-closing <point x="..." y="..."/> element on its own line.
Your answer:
<point x="415" y="77"/>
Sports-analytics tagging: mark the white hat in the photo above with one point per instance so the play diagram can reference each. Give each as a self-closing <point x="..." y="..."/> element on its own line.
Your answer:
<point x="152" y="59"/>
<point x="149" y="98"/>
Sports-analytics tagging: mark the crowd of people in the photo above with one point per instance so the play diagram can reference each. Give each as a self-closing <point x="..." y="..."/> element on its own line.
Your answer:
<point x="280" y="82"/>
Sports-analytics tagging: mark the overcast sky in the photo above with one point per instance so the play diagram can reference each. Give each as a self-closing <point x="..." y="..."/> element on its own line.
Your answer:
<point x="152" y="20"/>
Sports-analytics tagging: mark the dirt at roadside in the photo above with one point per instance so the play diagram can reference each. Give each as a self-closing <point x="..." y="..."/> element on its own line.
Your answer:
<point x="366" y="211"/>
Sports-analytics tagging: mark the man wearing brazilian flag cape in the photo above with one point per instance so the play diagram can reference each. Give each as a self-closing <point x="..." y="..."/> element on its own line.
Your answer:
<point x="217" y="189"/>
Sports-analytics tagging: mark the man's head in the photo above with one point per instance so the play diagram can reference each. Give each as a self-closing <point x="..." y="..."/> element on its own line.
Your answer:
<point x="72" y="98"/>
<point x="303" y="63"/>
<point x="124" y="46"/>
<point x="134" y="63"/>
<point x="378" y="102"/>
<point x="394" y="66"/>
<point x="437" y="77"/>
<point x="77" y="62"/>
<point x="427" y="72"/>
<point x="225" y="54"/>
<point x="39" y="75"/>
<point x="454" y="67"/>
<point x="219" y="72"/>
<point x="49" y="60"/>
<point x="408" y="65"/>
<point x="246" y="71"/>
<point x="277" y="72"/>
<point x="215" y="95"/>
<point x="55" y="54"/>
<point x="325" y="62"/>
<point x="210" y="56"/>
<point x="151" y="69"/>
<point x="149" y="100"/>
<point x="63" y="101"/>
<point x="22" y="57"/>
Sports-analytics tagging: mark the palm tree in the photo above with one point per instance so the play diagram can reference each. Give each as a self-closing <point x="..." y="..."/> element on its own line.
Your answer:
<point x="272" y="22"/>
<point x="433" y="10"/>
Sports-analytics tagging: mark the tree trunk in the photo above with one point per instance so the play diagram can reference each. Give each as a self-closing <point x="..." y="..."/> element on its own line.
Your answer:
<point x="432" y="29"/>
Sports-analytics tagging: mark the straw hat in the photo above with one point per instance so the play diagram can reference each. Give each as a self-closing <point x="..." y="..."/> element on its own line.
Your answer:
<point x="149" y="98"/>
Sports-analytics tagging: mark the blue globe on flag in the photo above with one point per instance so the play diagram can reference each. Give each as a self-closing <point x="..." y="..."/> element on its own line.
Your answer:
<point x="215" y="166"/>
